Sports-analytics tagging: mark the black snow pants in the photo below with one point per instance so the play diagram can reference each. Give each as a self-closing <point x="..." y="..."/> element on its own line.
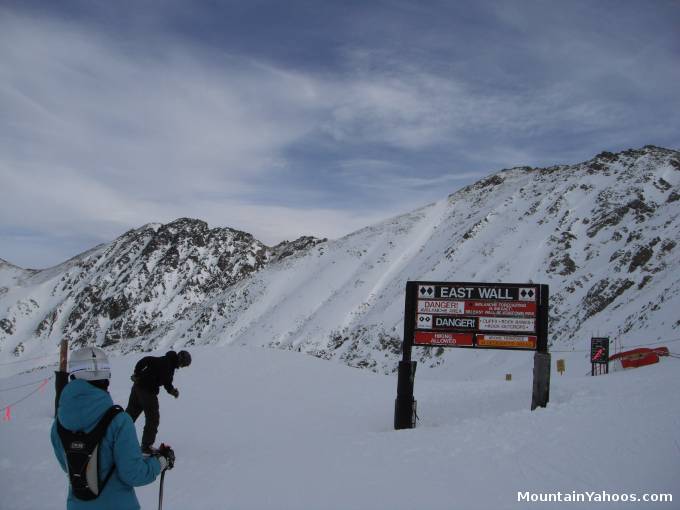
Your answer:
<point x="141" y="399"/>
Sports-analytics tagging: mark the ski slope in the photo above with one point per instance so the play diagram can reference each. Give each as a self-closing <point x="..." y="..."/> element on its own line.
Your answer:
<point x="259" y="429"/>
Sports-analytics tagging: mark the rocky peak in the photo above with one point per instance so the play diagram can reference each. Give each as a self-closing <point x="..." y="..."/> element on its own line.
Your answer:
<point x="150" y="276"/>
<point x="288" y="248"/>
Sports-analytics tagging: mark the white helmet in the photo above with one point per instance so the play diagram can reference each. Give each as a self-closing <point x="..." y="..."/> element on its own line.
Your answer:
<point x="89" y="363"/>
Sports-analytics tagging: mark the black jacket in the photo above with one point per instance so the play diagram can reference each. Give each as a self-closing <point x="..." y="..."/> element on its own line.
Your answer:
<point x="153" y="372"/>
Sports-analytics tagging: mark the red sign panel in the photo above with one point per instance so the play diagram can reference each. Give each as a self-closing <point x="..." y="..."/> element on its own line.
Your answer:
<point x="501" y="308"/>
<point x="443" y="338"/>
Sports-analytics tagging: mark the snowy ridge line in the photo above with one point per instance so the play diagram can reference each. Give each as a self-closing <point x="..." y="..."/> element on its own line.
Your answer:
<point x="28" y="395"/>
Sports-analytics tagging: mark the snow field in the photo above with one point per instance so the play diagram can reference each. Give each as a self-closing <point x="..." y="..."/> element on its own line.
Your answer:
<point x="268" y="429"/>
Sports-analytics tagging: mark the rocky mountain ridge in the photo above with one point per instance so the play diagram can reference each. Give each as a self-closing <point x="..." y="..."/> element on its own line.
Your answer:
<point x="603" y="234"/>
<point x="123" y="291"/>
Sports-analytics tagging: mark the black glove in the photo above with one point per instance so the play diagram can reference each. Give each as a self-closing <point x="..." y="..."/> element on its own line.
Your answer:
<point x="168" y="454"/>
<point x="174" y="392"/>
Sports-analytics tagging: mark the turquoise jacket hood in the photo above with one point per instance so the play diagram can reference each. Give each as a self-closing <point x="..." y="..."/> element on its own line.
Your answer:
<point x="81" y="405"/>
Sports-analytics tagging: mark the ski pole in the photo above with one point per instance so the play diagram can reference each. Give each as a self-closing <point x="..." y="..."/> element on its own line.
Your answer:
<point x="160" y="492"/>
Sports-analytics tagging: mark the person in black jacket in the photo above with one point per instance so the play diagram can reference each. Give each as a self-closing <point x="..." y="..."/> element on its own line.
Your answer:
<point x="151" y="373"/>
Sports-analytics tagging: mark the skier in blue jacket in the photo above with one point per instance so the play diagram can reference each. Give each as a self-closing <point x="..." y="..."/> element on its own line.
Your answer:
<point x="83" y="402"/>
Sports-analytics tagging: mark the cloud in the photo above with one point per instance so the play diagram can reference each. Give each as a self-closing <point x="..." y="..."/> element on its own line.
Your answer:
<point x="99" y="135"/>
<point x="391" y="178"/>
<point x="106" y="124"/>
<point x="94" y="131"/>
<point x="76" y="96"/>
<point x="412" y="110"/>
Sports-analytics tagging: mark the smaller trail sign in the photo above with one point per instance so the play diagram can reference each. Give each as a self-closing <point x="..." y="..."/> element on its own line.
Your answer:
<point x="473" y="316"/>
<point x="599" y="355"/>
<point x="599" y="350"/>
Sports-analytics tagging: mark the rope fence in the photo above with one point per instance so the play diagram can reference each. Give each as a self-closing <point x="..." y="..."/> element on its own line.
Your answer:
<point x="40" y="384"/>
<point x="22" y="385"/>
<point x="6" y="411"/>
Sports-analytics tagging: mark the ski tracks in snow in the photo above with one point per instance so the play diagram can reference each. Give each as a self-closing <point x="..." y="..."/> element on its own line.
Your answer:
<point x="421" y="231"/>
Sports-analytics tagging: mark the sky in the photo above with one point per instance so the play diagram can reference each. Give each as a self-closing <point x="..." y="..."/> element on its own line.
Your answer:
<point x="297" y="118"/>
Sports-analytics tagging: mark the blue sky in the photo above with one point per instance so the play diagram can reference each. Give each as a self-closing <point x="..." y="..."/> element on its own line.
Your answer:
<point x="306" y="118"/>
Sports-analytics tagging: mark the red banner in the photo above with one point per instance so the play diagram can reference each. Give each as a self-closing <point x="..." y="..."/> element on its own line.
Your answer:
<point x="443" y="338"/>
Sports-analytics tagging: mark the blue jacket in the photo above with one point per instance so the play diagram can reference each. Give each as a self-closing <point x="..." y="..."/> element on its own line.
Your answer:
<point x="81" y="406"/>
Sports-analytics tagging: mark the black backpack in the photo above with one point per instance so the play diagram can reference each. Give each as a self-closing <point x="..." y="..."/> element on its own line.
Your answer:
<point x="82" y="456"/>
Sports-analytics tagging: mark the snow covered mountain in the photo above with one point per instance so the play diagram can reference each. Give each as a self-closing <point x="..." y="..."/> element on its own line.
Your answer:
<point x="116" y="295"/>
<point x="603" y="234"/>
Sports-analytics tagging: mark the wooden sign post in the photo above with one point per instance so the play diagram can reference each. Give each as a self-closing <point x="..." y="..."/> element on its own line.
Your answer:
<point x="61" y="375"/>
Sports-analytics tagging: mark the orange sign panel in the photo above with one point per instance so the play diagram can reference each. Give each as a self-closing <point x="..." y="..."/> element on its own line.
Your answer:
<point x="507" y="341"/>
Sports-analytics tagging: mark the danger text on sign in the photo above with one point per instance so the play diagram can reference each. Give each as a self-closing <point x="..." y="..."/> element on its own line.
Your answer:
<point x="441" y="307"/>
